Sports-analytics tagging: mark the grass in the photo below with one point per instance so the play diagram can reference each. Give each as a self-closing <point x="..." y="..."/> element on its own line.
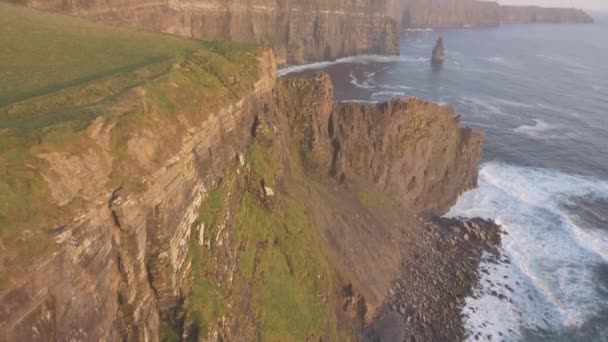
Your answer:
<point x="291" y="279"/>
<point x="168" y="334"/>
<point x="206" y="300"/>
<point x="281" y="265"/>
<point x="43" y="52"/>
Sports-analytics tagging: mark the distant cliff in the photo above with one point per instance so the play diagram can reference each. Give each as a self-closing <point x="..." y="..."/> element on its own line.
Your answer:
<point x="535" y="14"/>
<point x="459" y="13"/>
<point x="449" y="13"/>
<point x="300" y="31"/>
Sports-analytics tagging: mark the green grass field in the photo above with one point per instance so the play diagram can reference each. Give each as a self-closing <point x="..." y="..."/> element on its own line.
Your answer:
<point x="43" y="52"/>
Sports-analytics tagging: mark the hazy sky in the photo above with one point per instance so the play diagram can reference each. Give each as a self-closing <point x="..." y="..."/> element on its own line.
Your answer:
<point x="588" y="4"/>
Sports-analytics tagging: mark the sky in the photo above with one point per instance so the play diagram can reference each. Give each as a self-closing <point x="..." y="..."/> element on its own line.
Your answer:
<point x="586" y="4"/>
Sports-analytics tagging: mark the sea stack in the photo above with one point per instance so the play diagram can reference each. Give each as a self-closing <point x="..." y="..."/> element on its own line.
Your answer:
<point x="438" y="52"/>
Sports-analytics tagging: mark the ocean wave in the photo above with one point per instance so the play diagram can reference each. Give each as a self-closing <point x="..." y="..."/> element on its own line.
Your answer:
<point x="367" y="84"/>
<point x="550" y="282"/>
<point x="482" y="106"/>
<point x="543" y="130"/>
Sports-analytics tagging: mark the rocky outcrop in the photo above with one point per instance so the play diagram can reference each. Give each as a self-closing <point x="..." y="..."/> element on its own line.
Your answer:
<point x="420" y="14"/>
<point x="392" y="162"/>
<point x="438" y="56"/>
<point x="300" y="31"/>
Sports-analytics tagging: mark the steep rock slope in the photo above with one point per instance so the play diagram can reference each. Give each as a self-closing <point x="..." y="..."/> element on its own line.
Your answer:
<point x="300" y="31"/>
<point x="211" y="202"/>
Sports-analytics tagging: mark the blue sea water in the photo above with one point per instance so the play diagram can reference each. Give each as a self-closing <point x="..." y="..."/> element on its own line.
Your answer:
<point x="540" y="94"/>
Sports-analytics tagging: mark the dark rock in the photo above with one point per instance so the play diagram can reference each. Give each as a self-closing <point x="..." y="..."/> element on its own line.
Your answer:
<point x="438" y="52"/>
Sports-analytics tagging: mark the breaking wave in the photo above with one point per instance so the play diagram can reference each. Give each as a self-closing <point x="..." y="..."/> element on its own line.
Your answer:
<point x="547" y="278"/>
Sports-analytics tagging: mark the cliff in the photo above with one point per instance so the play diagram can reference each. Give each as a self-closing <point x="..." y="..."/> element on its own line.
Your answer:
<point x="459" y="13"/>
<point x="448" y="13"/>
<point x="300" y="31"/>
<point x="212" y="201"/>
<point x="535" y="14"/>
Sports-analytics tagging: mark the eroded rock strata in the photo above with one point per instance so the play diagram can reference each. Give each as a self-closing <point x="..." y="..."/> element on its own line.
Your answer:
<point x="300" y="31"/>
<point x="240" y="205"/>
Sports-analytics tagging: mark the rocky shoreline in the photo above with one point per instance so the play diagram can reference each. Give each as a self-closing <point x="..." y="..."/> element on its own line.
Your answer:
<point x="441" y="270"/>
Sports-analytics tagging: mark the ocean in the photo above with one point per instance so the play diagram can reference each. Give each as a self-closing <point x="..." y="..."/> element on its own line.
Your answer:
<point x="540" y="94"/>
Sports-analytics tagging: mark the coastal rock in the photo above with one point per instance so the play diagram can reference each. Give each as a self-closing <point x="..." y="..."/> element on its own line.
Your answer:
<point x="438" y="56"/>
<point x="439" y="280"/>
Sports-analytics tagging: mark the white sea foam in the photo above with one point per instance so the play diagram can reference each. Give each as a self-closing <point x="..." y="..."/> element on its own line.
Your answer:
<point x="367" y="84"/>
<point x="389" y="86"/>
<point x="428" y="29"/>
<point x="482" y="106"/>
<point x="497" y="60"/>
<point x="304" y="67"/>
<point x="363" y="59"/>
<point x="533" y="130"/>
<point x="543" y="130"/>
<point x="552" y="258"/>
<point x="358" y="101"/>
<point x="388" y="94"/>
<point x="514" y="103"/>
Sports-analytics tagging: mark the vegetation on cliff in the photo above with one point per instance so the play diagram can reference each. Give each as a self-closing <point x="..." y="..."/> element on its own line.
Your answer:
<point x="284" y="287"/>
<point x="67" y="74"/>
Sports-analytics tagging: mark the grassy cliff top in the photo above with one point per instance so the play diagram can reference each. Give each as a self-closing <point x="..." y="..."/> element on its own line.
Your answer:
<point x="43" y="52"/>
<point x="74" y="95"/>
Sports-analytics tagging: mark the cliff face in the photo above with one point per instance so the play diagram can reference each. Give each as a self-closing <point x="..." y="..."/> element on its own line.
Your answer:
<point x="300" y="31"/>
<point x="535" y="14"/>
<point x="189" y="213"/>
<point x="123" y="257"/>
<point x="449" y="13"/>
<point x="458" y="13"/>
